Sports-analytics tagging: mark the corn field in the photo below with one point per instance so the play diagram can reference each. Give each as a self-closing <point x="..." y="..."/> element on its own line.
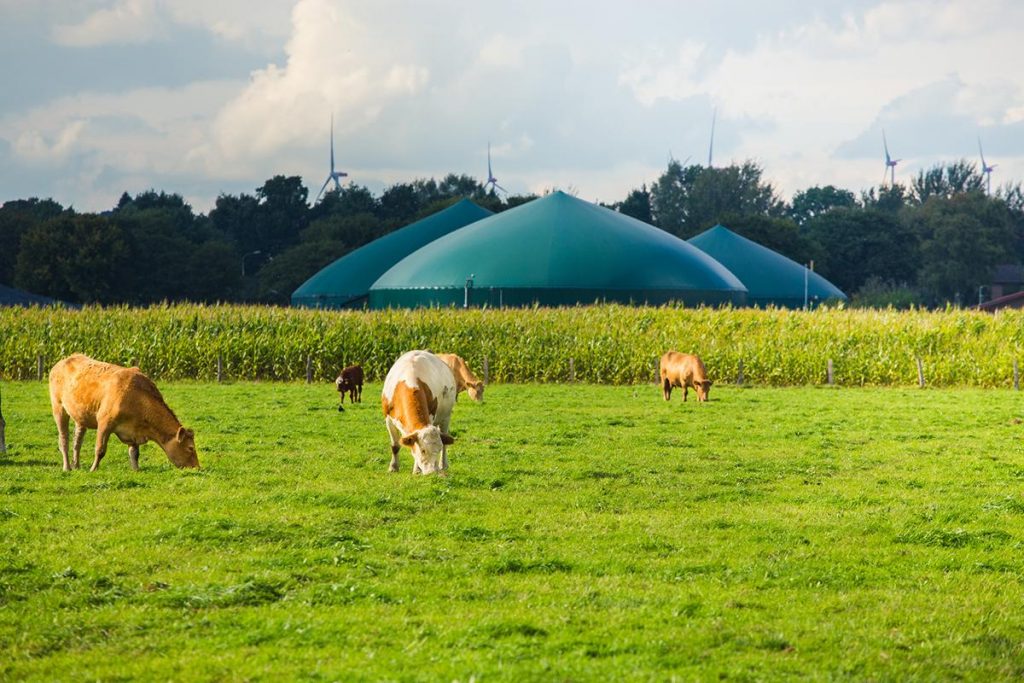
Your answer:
<point x="609" y="344"/>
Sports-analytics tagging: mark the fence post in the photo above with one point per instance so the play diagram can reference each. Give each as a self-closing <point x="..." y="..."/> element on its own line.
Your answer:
<point x="572" y="370"/>
<point x="739" y="374"/>
<point x="309" y="369"/>
<point x="920" y="372"/>
<point x="831" y="381"/>
<point x="3" y="426"/>
<point x="39" y="367"/>
<point x="220" y="368"/>
<point x="487" y="378"/>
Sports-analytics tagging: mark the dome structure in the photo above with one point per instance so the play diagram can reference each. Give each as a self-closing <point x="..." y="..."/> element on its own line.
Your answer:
<point x="771" y="278"/>
<point x="346" y="282"/>
<point x="552" y="251"/>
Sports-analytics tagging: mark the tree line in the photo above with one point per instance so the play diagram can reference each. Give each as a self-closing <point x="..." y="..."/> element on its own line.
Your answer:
<point x="932" y="242"/>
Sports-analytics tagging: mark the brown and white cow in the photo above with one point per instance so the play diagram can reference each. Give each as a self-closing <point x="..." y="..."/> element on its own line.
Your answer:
<point x="684" y="370"/>
<point x="465" y="380"/>
<point x="417" y="399"/>
<point x="115" y="400"/>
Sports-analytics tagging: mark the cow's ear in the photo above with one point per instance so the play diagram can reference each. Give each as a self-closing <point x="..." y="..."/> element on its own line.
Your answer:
<point x="447" y="439"/>
<point x="409" y="440"/>
<point x="182" y="433"/>
<point x="708" y="383"/>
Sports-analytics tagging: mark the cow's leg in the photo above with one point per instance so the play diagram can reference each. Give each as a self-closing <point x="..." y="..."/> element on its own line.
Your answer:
<point x="103" y="432"/>
<point x="666" y="388"/>
<point x="61" y="418"/>
<point x="133" y="456"/>
<point x="396" y="444"/>
<point x="686" y="390"/>
<point x="359" y="392"/>
<point x="79" y="437"/>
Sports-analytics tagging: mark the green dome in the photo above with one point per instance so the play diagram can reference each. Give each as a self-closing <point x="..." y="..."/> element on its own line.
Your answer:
<point x="557" y="250"/>
<point x="345" y="282"/>
<point x="770" y="277"/>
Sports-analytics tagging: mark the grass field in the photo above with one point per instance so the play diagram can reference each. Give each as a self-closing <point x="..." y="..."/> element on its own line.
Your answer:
<point x="585" y="533"/>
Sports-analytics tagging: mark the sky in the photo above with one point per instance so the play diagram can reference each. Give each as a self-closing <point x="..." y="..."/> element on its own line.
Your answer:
<point x="200" y="98"/>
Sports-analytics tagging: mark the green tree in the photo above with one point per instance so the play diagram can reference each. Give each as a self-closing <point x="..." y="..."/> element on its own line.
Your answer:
<point x="282" y="214"/>
<point x="814" y="201"/>
<point x="858" y="244"/>
<point x="891" y="198"/>
<point x="74" y="257"/>
<point x="399" y="204"/>
<point x="962" y="239"/>
<point x="16" y="218"/>
<point x="687" y="201"/>
<point x="235" y="217"/>
<point x="638" y="205"/>
<point x="945" y="181"/>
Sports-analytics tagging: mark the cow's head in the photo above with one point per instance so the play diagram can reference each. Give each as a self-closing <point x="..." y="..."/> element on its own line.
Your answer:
<point x="181" y="449"/>
<point x="342" y="383"/>
<point x="427" y="446"/>
<point x="475" y="390"/>
<point x="703" y="389"/>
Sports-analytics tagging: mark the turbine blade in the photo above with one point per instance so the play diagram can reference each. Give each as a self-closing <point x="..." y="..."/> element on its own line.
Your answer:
<point x="501" y="188"/>
<point x="323" y="187"/>
<point x="490" y="175"/>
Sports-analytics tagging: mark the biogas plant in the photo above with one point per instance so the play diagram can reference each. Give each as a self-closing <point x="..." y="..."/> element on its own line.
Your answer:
<point x="558" y="250"/>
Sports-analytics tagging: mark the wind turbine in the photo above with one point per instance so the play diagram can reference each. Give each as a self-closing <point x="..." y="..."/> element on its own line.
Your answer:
<point x="890" y="163"/>
<point x="491" y="180"/>
<point x="986" y="169"/>
<point x="334" y="174"/>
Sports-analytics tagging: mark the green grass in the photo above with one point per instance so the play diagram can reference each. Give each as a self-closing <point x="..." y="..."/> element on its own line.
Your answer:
<point x="585" y="533"/>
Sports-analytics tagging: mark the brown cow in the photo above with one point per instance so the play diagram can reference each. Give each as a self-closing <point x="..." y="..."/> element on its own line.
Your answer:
<point x="464" y="379"/>
<point x="350" y="380"/>
<point x="684" y="370"/>
<point x="115" y="400"/>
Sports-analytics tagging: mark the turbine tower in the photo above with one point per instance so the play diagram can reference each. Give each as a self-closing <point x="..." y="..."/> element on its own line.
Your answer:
<point x="890" y="163"/>
<point x="711" y="145"/>
<point x="986" y="170"/>
<point x="491" y="180"/>
<point x="334" y="175"/>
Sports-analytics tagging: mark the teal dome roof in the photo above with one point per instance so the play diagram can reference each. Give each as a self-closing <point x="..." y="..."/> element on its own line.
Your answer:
<point x="347" y="281"/>
<point x="770" y="277"/>
<point x="556" y="250"/>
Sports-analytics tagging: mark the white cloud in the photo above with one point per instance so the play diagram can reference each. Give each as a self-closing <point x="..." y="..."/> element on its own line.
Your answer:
<point x="334" y="64"/>
<point x="420" y="88"/>
<point x="34" y="147"/>
<point x="128" y="21"/>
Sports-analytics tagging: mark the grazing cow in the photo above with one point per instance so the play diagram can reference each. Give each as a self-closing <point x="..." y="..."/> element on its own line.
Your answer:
<point x="350" y="380"/>
<point x="464" y="379"/>
<point x="684" y="370"/>
<point x="418" y="396"/>
<point x="115" y="400"/>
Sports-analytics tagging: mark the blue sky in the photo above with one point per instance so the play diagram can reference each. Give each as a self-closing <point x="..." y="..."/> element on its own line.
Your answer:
<point x="203" y="98"/>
